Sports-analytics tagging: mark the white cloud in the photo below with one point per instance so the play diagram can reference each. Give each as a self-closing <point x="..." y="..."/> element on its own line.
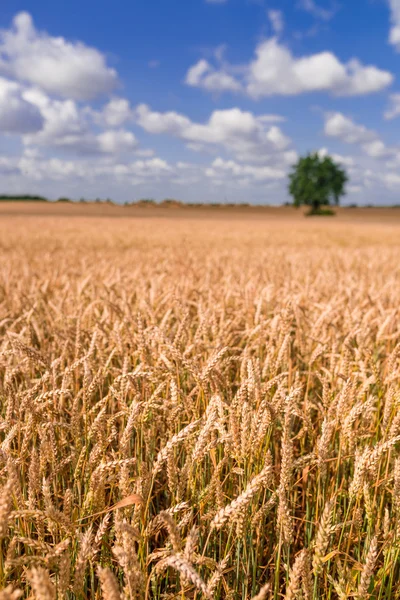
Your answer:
<point x="339" y="126"/>
<point x="156" y="122"/>
<point x="153" y="167"/>
<point x="116" y="141"/>
<point x="17" y="115"/>
<point x="37" y="168"/>
<point x="316" y="11"/>
<point x="347" y="161"/>
<point x="232" y="180"/>
<point x="221" y="168"/>
<point x="394" y="110"/>
<point x="290" y="157"/>
<point x="84" y="148"/>
<point x="384" y="185"/>
<point x="203" y="75"/>
<point x="8" y="166"/>
<point x="56" y="65"/>
<point x="394" y="34"/>
<point x="66" y="126"/>
<point x="277" y="138"/>
<point x="228" y="173"/>
<point x="115" y="113"/>
<point x="249" y="137"/>
<point x="378" y="149"/>
<point x="54" y="169"/>
<point x="277" y="21"/>
<point x="275" y="71"/>
<point x="343" y="128"/>
<point x="64" y="123"/>
<point x="392" y="180"/>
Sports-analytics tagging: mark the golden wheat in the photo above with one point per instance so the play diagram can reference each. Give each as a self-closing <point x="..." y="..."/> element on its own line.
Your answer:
<point x="199" y="409"/>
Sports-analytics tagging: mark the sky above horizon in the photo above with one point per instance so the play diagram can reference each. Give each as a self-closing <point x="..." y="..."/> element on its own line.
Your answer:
<point x="199" y="100"/>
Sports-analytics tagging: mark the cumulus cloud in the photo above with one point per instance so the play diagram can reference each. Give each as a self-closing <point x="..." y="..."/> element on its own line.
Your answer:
<point x="63" y="122"/>
<point x="394" y="33"/>
<point x="44" y="80"/>
<point x="153" y="167"/>
<point x="115" y="113"/>
<point x="378" y="149"/>
<point x="156" y="122"/>
<point x="394" y="109"/>
<point x="8" y="166"/>
<point x="116" y="141"/>
<point x="221" y="168"/>
<point x="102" y="175"/>
<point x="347" y="161"/>
<point x="47" y="68"/>
<point x="316" y="11"/>
<point x="35" y="167"/>
<point x="391" y="180"/>
<point x="67" y="126"/>
<point x="17" y="115"/>
<point x="203" y="75"/>
<point x="276" y="20"/>
<point x="57" y="66"/>
<point x="343" y="128"/>
<point x="249" y="137"/>
<point x="276" y="71"/>
<point x="229" y="173"/>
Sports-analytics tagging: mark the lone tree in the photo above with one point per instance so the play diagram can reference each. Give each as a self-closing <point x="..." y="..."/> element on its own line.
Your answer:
<point x="317" y="181"/>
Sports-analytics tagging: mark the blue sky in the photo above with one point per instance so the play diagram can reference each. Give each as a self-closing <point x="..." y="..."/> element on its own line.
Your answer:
<point x="198" y="100"/>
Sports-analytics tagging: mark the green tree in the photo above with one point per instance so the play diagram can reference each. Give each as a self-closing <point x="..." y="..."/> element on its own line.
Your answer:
<point x="317" y="181"/>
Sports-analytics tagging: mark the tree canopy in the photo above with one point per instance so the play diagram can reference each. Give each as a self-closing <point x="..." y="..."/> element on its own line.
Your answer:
<point x="317" y="181"/>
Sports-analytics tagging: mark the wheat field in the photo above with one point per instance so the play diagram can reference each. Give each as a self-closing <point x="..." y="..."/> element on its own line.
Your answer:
<point x="199" y="408"/>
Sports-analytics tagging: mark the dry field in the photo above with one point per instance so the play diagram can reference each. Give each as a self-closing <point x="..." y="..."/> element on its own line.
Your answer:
<point x="199" y="408"/>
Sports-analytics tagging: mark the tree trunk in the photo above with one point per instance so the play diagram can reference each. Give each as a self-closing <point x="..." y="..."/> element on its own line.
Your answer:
<point x="315" y="206"/>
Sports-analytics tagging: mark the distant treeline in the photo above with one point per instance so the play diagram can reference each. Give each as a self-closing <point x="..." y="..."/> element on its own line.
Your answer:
<point x="172" y="203"/>
<point x="167" y="203"/>
<point x="24" y="198"/>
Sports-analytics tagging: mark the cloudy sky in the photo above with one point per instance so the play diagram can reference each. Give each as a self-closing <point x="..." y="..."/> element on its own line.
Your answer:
<point x="201" y="100"/>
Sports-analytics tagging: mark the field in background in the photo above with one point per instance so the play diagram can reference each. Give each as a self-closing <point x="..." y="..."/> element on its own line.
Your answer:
<point x="108" y="209"/>
<point x="199" y="407"/>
